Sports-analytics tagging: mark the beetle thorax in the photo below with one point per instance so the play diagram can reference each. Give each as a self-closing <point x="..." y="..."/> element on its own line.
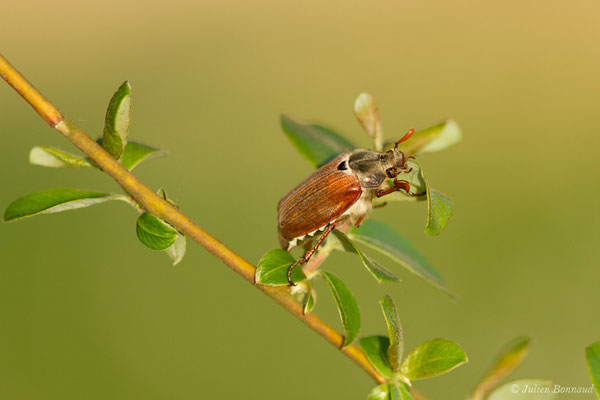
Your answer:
<point x="370" y="166"/>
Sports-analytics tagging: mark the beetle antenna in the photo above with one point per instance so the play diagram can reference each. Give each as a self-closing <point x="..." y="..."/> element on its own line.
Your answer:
<point x="404" y="138"/>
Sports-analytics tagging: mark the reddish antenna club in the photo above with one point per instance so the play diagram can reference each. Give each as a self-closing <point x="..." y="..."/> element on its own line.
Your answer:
<point x="404" y="138"/>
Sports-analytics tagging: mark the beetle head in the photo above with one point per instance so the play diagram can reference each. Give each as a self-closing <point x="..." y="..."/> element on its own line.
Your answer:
<point x="393" y="160"/>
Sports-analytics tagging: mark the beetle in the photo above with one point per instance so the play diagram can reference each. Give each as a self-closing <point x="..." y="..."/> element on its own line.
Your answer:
<point x="340" y="192"/>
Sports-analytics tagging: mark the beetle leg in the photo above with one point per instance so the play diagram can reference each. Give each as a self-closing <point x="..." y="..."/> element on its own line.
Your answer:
<point x="405" y="168"/>
<point x="360" y="220"/>
<point x="380" y="205"/>
<point x="289" y="271"/>
<point x="307" y="245"/>
<point x="397" y="186"/>
<point x="309" y="253"/>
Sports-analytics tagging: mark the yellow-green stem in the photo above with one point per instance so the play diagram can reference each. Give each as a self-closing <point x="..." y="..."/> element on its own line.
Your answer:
<point x="156" y="205"/>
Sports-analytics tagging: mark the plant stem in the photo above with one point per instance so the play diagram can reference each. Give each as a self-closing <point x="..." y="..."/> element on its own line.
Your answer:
<point x="156" y="205"/>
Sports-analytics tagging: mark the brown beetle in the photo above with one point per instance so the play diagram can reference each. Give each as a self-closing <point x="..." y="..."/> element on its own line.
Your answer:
<point x="340" y="192"/>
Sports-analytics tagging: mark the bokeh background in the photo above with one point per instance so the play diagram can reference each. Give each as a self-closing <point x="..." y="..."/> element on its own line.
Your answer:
<point x="88" y="312"/>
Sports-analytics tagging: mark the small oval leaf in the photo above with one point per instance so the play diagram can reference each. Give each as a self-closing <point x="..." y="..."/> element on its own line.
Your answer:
<point x="439" y="210"/>
<point x="314" y="142"/>
<point x="177" y="250"/>
<point x="434" y="138"/>
<point x="116" y="124"/>
<point x="309" y="305"/>
<point x="507" y="360"/>
<point x="593" y="358"/>
<point x="434" y="357"/>
<point x="387" y="240"/>
<point x="304" y="293"/>
<point x="390" y="391"/>
<point x="273" y="266"/>
<point x="55" y="158"/>
<point x="375" y="348"/>
<point x="400" y="391"/>
<point x="346" y="305"/>
<point x="379" y="272"/>
<point x="135" y="153"/>
<point x="367" y="114"/>
<point x="381" y="392"/>
<point x="524" y="389"/>
<point x="154" y="232"/>
<point x="392" y="319"/>
<point x="55" y="200"/>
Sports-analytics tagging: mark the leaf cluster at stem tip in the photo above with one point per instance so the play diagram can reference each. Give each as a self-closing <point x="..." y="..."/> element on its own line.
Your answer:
<point x="151" y="231"/>
<point x="385" y="353"/>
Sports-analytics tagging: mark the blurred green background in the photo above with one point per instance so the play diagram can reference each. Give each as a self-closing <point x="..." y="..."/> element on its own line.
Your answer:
<point x="88" y="312"/>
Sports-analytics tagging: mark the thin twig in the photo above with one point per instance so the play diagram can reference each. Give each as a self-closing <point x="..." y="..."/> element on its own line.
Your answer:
<point x="156" y="205"/>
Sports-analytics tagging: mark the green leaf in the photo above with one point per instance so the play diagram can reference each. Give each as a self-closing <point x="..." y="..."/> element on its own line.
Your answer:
<point x="593" y="358"/>
<point x="154" y="232"/>
<point x="434" y="357"/>
<point x="367" y="114"/>
<point x="381" y="392"/>
<point x="524" y="389"/>
<point x="310" y="302"/>
<point x="508" y="359"/>
<point x="378" y="272"/>
<point x="314" y="142"/>
<point x="390" y="391"/>
<point x="135" y="153"/>
<point x="385" y="239"/>
<point x="55" y="200"/>
<point x="439" y="210"/>
<point x="272" y="269"/>
<point x="116" y="124"/>
<point x="375" y="348"/>
<point x="346" y="305"/>
<point x="431" y="139"/>
<point x="392" y="319"/>
<point x="176" y="251"/>
<point x="304" y="293"/>
<point x="55" y="158"/>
